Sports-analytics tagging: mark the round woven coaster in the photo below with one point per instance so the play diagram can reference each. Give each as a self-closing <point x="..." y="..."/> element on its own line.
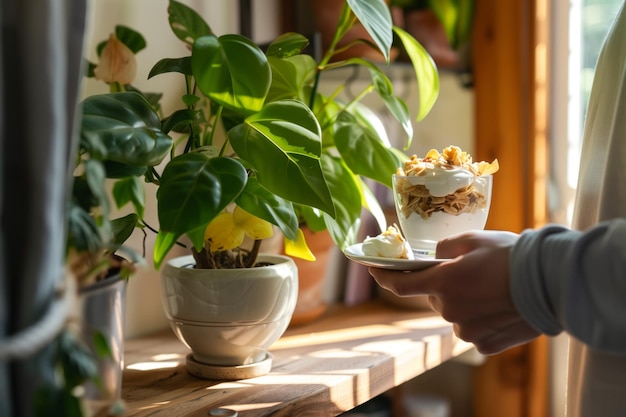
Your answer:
<point x="206" y="371"/>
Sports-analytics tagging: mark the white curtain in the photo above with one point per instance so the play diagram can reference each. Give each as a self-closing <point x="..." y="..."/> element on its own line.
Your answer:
<point x="40" y="50"/>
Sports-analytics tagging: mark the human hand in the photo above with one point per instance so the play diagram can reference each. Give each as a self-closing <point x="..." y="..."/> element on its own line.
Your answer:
<point x="471" y="290"/>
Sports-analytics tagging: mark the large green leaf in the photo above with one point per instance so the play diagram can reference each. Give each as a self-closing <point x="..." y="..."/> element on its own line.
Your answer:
<point x="362" y="151"/>
<point x="282" y="143"/>
<point x="345" y="188"/>
<point x="95" y="176"/>
<point x="194" y="189"/>
<point x="186" y="23"/>
<point x="123" y="227"/>
<point x="123" y="127"/>
<point x="425" y="72"/>
<point x="268" y="206"/>
<point x="166" y="65"/>
<point x="456" y="18"/>
<point x="286" y="45"/>
<point x="375" y="17"/>
<point x="130" y="190"/>
<point x="290" y="76"/>
<point x="232" y="71"/>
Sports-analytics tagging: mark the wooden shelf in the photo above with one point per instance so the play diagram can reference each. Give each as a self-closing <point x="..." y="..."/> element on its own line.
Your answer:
<point x="324" y="368"/>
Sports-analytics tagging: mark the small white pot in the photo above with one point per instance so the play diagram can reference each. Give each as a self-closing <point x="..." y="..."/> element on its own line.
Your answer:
<point x="229" y="317"/>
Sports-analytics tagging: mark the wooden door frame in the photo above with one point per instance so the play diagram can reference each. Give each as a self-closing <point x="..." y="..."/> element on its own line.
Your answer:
<point x="510" y="69"/>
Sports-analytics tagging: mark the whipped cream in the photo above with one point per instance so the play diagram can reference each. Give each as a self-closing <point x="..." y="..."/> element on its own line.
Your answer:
<point x="442" y="181"/>
<point x="388" y="244"/>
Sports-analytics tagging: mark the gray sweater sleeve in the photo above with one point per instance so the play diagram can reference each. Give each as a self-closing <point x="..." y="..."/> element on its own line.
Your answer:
<point x="574" y="281"/>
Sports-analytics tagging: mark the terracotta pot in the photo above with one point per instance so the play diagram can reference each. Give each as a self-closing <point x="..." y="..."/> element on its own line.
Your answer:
<point x="311" y="277"/>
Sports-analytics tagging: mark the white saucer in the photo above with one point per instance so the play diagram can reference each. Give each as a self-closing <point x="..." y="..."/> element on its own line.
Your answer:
<point x="355" y="253"/>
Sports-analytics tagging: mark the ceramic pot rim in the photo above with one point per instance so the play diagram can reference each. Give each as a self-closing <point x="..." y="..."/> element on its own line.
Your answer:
<point x="186" y="261"/>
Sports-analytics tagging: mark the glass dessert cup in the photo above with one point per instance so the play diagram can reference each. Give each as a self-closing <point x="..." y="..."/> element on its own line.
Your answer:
<point x="440" y="204"/>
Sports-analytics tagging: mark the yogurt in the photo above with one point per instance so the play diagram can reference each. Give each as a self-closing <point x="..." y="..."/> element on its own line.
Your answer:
<point x="388" y="244"/>
<point x="442" y="181"/>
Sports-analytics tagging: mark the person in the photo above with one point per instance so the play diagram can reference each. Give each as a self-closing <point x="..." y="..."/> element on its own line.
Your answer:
<point x="501" y="289"/>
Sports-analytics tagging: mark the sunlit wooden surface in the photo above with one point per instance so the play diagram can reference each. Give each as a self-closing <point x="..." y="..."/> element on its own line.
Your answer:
<point x="345" y="358"/>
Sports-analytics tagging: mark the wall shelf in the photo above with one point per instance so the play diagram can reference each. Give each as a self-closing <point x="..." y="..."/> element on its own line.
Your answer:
<point x="324" y="368"/>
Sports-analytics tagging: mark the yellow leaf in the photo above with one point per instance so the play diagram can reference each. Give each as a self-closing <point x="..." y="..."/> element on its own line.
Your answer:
<point x="299" y="248"/>
<point x="223" y="233"/>
<point x="253" y="226"/>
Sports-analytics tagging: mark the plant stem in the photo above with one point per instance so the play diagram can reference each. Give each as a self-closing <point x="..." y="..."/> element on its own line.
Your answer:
<point x="254" y="252"/>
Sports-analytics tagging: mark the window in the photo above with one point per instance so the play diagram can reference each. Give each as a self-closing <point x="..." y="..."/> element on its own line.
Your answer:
<point x="579" y="30"/>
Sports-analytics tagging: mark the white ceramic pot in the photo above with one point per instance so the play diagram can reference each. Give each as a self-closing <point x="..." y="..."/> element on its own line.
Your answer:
<point x="229" y="317"/>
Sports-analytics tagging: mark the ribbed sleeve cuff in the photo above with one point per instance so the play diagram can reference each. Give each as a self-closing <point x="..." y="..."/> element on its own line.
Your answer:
<point x="536" y="273"/>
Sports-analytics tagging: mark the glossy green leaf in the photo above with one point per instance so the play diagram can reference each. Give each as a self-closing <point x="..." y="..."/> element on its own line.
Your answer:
<point x="362" y="151"/>
<point x="312" y="217"/>
<point x="123" y="127"/>
<point x="370" y="120"/>
<point x="425" y="72"/>
<point x="372" y="205"/>
<point x="400" y="111"/>
<point x="258" y="201"/>
<point x="341" y="182"/>
<point x="186" y="23"/>
<point x="120" y="170"/>
<point x="375" y="17"/>
<point x="130" y="190"/>
<point x="123" y="227"/>
<point x="163" y="243"/>
<point x="83" y="231"/>
<point x="129" y="37"/>
<point x="167" y="65"/>
<point x="282" y="143"/>
<point x="183" y="117"/>
<point x="195" y="188"/>
<point x="286" y="45"/>
<point x="290" y="77"/>
<point x="232" y="71"/>
<point x="95" y="177"/>
<point x="456" y="18"/>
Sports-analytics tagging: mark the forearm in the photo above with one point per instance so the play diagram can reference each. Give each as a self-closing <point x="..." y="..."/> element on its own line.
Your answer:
<point x="574" y="281"/>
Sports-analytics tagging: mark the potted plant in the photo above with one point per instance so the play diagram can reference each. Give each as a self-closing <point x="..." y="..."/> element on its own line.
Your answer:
<point x="90" y="350"/>
<point x="258" y="147"/>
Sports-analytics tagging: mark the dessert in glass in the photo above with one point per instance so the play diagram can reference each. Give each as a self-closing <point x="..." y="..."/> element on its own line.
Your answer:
<point x="441" y="195"/>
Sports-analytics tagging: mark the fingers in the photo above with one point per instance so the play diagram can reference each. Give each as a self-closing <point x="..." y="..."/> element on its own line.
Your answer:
<point x="463" y="243"/>
<point x="406" y="283"/>
<point x="493" y="334"/>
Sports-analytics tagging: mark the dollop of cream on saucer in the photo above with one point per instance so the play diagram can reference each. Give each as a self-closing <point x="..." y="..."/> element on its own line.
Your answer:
<point x="388" y="244"/>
